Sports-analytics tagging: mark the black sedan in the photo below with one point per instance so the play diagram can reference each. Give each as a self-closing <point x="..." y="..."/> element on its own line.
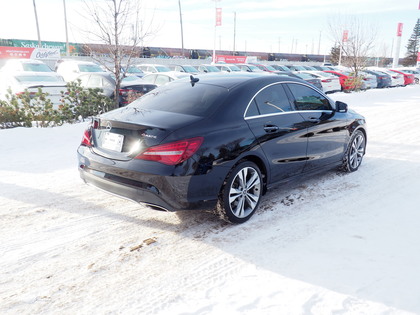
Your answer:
<point x="218" y="142"/>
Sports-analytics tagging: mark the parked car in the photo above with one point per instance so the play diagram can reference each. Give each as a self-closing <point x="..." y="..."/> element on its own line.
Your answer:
<point x="31" y="65"/>
<point x="329" y="82"/>
<point x="280" y="68"/>
<point x="383" y="80"/>
<point x="228" y="67"/>
<point x="266" y="68"/>
<point x="133" y="71"/>
<point x="184" y="68"/>
<point x="308" y="78"/>
<point x="132" y="88"/>
<point x="153" y="68"/>
<point x="19" y="82"/>
<point x="99" y="80"/>
<point x="396" y="78"/>
<point x="71" y="69"/>
<point x="416" y="73"/>
<point x="408" y="77"/>
<point x="296" y="68"/>
<point x="208" y="68"/>
<point x="159" y="79"/>
<point x="249" y="68"/>
<point x="347" y="80"/>
<point x="219" y="142"/>
<point x="369" y="81"/>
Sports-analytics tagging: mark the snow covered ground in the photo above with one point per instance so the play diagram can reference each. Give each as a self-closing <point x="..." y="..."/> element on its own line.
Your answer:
<point x="333" y="244"/>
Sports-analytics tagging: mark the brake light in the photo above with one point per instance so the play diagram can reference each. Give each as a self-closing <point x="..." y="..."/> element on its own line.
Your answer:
<point x="87" y="136"/>
<point x="31" y="94"/>
<point x="172" y="153"/>
<point x="326" y="80"/>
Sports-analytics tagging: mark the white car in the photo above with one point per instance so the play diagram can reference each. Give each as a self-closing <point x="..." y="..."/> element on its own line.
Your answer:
<point x="19" y="82"/>
<point x="19" y="65"/>
<point x="396" y="78"/>
<point x="330" y="83"/>
<point x="153" y="68"/>
<point x="71" y="69"/>
<point x="228" y="68"/>
<point x="159" y="79"/>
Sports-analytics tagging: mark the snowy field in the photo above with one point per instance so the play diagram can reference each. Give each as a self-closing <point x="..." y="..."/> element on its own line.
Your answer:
<point x="332" y="244"/>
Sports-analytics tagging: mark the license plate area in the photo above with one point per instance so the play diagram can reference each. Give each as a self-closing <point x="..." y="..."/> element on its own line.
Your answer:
<point x="113" y="141"/>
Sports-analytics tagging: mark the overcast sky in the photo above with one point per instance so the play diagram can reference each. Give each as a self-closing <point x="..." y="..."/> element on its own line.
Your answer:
<point x="299" y="26"/>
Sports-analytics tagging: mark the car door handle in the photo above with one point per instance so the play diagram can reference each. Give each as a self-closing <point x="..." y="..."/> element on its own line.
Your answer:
<point x="314" y="119"/>
<point x="271" y="128"/>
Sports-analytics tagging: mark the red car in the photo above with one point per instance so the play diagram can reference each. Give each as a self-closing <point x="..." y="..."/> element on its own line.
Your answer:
<point x="347" y="81"/>
<point x="408" y="77"/>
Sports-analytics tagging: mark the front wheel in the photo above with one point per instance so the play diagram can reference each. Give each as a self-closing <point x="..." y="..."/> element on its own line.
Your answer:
<point x="241" y="193"/>
<point x="355" y="152"/>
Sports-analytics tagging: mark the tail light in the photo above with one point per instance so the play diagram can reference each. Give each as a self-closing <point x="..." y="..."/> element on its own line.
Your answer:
<point x="172" y="153"/>
<point x="87" y="138"/>
<point x="124" y="92"/>
<point x="326" y="80"/>
<point x="31" y="94"/>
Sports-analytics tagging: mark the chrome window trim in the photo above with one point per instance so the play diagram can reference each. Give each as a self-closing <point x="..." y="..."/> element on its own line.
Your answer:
<point x="293" y="111"/>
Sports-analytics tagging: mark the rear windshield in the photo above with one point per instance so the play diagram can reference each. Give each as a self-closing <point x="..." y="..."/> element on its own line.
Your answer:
<point x="183" y="98"/>
<point x="90" y="68"/>
<point x="37" y="67"/>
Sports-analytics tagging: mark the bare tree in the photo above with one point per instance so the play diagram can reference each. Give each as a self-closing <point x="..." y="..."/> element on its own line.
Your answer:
<point x="356" y="39"/>
<point x="121" y="30"/>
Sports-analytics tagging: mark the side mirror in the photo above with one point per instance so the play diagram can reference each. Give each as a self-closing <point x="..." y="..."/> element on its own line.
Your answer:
<point x="341" y="107"/>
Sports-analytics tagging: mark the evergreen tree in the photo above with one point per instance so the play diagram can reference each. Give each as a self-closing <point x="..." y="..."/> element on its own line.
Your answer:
<point x="335" y="54"/>
<point x="413" y="46"/>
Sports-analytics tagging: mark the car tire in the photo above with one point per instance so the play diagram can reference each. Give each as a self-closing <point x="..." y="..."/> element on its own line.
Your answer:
<point x="241" y="193"/>
<point x="355" y="152"/>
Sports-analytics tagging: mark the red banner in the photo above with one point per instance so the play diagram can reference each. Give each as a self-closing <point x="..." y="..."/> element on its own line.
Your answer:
<point x="230" y="59"/>
<point x="218" y="16"/>
<point x="345" y="36"/>
<point x="399" y="29"/>
<point x="16" y="52"/>
<point x="418" y="56"/>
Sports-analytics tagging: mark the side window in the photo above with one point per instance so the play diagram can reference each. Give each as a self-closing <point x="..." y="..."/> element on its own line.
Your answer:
<point x="273" y="100"/>
<point x="308" y="99"/>
<point x="252" y="109"/>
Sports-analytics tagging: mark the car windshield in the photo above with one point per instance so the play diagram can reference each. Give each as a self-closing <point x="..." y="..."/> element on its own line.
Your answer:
<point x="254" y="68"/>
<point x="162" y="69"/>
<point x="234" y="68"/>
<point x="190" y="69"/>
<point x="38" y="78"/>
<point x="183" y="98"/>
<point x="89" y="68"/>
<point x="212" y="69"/>
<point x="134" y="70"/>
<point x="270" y="68"/>
<point x="36" y="67"/>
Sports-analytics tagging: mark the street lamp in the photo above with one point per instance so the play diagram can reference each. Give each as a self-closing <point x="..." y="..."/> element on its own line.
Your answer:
<point x="37" y="25"/>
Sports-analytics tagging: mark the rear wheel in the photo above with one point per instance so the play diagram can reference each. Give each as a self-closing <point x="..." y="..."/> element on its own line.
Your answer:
<point x="241" y="193"/>
<point x="355" y="152"/>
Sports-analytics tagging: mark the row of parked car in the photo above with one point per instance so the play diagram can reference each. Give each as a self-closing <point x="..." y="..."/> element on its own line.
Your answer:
<point x="20" y="74"/>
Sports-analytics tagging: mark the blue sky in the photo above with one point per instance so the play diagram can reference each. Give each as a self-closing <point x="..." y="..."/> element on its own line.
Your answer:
<point x="299" y="26"/>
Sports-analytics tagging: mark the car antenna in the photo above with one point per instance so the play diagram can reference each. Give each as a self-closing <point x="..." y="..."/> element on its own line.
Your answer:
<point x="193" y="80"/>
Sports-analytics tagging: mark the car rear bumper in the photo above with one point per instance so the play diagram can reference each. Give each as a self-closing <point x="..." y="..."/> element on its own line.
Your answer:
<point x="170" y="193"/>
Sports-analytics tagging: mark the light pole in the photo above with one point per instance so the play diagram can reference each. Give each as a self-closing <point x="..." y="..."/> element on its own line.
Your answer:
<point x="67" y="34"/>
<point x="37" y="25"/>
<point x="182" y="32"/>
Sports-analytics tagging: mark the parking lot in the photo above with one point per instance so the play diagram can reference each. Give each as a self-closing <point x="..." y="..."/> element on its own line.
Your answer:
<point x="334" y="243"/>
